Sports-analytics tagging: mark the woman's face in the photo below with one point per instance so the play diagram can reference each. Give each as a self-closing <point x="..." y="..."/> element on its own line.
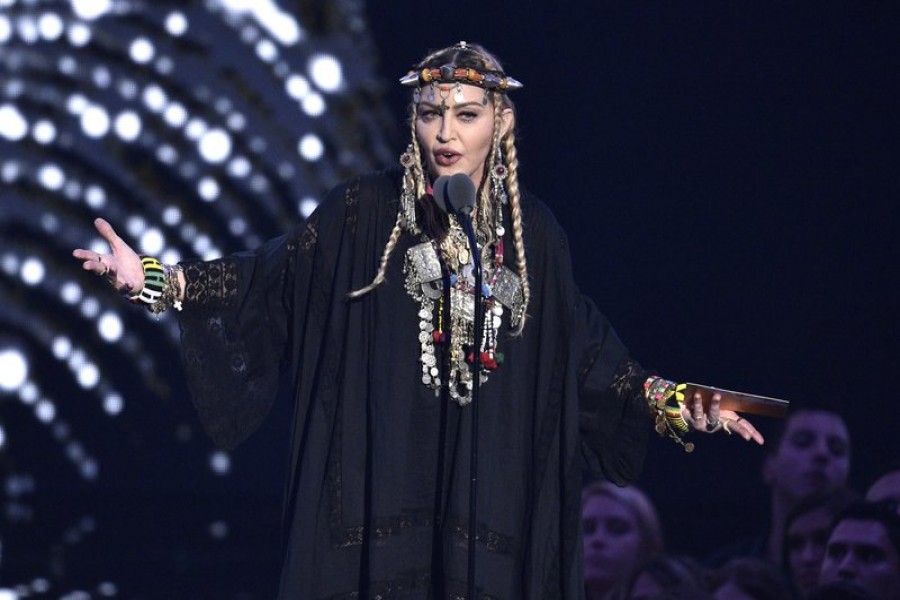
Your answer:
<point x="457" y="139"/>
<point x="612" y="543"/>
<point x="807" y="537"/>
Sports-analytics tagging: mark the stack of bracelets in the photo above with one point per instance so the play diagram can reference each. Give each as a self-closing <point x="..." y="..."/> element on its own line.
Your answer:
<point x="666" y="400"/>
<point x="161" y="288"/>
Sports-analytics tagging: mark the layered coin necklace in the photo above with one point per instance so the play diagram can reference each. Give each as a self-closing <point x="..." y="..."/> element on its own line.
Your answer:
<point x="439" y="273"/>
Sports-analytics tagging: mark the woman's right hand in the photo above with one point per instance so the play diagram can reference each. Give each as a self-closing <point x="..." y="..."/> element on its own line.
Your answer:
<point x="121" y="266"/>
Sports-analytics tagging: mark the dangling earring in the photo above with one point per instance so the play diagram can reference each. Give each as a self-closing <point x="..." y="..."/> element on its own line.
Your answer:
<point x="498" y="191"/>
<point x="408" y="196"/>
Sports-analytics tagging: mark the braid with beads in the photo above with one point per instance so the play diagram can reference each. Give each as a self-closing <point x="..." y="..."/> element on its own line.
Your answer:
<point x="515" y="207"/>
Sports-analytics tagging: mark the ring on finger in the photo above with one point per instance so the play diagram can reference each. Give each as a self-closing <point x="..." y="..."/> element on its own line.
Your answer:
<point x="105" y="266"/>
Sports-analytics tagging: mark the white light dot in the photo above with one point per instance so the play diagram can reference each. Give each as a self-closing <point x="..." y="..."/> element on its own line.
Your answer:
<point x="2" y="444"/>
<point x="44" y="132"/>
<point x="266" y="50"/>
<point x="91" y="9"/>
<point x="237" y="226"/>
<point x="45" y="411"/>
<point x="51" y="177"/>
<point x="313" y="104"/>
<point x="141" y="50"/>
<point x="195" y="129"/>
<point x="28" y="30"/>
<point x="90" y="308"/>
<point x="5" y="30"/>
<point x="175" y="114"/>
<point x="110" y="327"/>
<point x="297" y="87"/>
<point x="102" y="77"/>
<point x="152" y="241"/>
<point x="95" y="121"/>
<point x="215" y="146"/>
<point x="95" y="196"/>
<point x="236" y="121"/>
<point x="88" y="376"/>
<point x="202" y="244"/>
<point x="310" y="147"/>
<point x="171" y="215"/>
<point x="326" y="72"/>
<point x="33" y="271"/>
<point x="208" y="189"/>
<point x="220" y="463"/>
<point x="113" y="404"/>
<point x="10" y="171"/>
<point x="107" y="589"/>
<point x="239" y="167"/>
<point x="218" y="530"/>
<point x="79" y="34"/>
<point x="128" y="125"/>
<point x="29" y="393"/>
<point x="167" y="154"/>
<point x="10" y="264"/>
<point x="62" y="347"/>
<point x="76" y="103"/>
<point x="307" y="206"/>
<point x="136" y="225"/>
<point x="176" y="23"/>
<point x="13" y="370"/>
<point x="70" y="292"/>
<point x="170" y="257"/>
<point x="50" y="26"/>
<point x="89" y="470"/>
<point x="155" y="98"/>
<point x="68" y="65"/>
<point x="13" y="125"/>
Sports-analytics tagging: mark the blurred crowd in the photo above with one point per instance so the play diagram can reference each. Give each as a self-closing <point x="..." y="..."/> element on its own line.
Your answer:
<point x="823" y="540"/>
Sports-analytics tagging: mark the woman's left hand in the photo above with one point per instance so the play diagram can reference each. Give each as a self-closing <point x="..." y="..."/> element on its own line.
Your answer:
<point x="713" y="419"/>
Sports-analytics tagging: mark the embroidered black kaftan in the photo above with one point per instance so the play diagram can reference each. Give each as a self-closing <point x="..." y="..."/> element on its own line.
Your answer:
<point x="378" y="488"/>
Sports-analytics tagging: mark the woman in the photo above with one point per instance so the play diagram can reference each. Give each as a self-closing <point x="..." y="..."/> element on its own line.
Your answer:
<point x="621" y="533"/>
<point x="368" y="309"/>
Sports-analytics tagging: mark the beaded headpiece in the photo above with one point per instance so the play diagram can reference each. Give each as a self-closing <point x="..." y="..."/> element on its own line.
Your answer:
<point x="489" y="80"/>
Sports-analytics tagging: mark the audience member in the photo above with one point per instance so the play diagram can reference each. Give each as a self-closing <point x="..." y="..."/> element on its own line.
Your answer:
<point x="621" y="532"/>
<point x="809" y="454"/>
<point x="839" y="590"/>
<point x="806" y="536"/>
<point x="864" y="550"/>
<point x="750" y="579"/>
<point x="886" y="487"/>
<point x="666" y="578"/>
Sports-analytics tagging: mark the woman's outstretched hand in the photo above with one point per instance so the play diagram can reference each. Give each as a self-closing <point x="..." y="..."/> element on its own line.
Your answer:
<point x="121" y="266"/>
<point x="714" y="419"/>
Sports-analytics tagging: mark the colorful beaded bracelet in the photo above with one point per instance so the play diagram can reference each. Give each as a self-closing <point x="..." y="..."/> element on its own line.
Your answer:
<point x="161" y="287"/>
<point x="666" y="400"/>
<point x="154" y="280"/>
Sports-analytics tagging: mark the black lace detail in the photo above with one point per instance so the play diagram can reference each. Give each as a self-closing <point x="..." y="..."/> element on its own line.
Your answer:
<point x="408" y="583"/>
<point x="212" y="284"/>
<point x="351" y="199"/>
<point x="628" y="382"/>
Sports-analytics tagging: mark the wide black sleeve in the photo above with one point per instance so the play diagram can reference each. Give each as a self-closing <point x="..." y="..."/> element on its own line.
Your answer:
<point x="240" y="314"/>
<point x="614" y="418"/>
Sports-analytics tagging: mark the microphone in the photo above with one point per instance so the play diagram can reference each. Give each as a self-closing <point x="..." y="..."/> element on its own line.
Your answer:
<point x="455" y="194"/>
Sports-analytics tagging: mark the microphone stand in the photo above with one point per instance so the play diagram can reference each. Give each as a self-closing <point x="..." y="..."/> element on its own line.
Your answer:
<point x="466" y="221"/>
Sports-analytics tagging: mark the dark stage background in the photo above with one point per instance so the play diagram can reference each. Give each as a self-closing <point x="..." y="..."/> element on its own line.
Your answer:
<point x="727" y="173"/>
